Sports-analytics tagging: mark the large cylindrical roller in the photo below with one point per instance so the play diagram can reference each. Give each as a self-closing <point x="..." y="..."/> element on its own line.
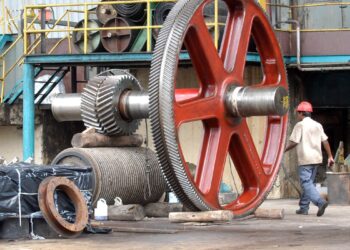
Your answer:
<point x="131" y="173"/>
<point x="160" y="13"/>
<point x="104" y="12"/>
<point x="94" y="43"/>
<point x="118" y="40"/>
<point x="133" y="11"/>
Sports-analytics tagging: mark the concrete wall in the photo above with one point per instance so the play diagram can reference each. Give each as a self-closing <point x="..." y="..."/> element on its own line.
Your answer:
<point x="11" y="143"/>
<point x="51" y="137"/>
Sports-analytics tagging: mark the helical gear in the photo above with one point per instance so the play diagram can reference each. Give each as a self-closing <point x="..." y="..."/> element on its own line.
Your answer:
<point x="88" y="103"/>
<point x="99" y="104"/>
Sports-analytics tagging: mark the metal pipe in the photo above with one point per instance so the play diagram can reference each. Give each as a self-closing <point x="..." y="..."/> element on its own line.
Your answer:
<point x="52" y="22"/>
<point x="298" y="46"/>
<point x="39" y="6"/>
<point x="28" y="111"/>
<point x="42" y="26"/>
<point x="66" y="107"/>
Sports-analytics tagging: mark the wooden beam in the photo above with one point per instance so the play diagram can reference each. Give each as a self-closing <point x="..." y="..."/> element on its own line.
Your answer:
<point x="207" y="216"/>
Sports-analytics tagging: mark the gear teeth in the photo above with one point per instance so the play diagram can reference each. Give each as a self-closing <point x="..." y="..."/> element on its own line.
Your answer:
<point x="162" y="77"/>
<point x="108" y="97"/>
<point x="88" y="100"/>
<point x="98" y="101"/>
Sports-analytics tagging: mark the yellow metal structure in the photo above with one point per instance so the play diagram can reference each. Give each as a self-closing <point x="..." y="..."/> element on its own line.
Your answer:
<point x="32" y="30"/>
<point x="28" y="30"/>
<point x="8" y="21"/>
<point x="263" y="4"/>
<point x="83" y="8"/>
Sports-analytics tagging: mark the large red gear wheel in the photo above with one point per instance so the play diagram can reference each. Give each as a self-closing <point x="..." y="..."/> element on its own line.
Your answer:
<point x="223" y="134"/>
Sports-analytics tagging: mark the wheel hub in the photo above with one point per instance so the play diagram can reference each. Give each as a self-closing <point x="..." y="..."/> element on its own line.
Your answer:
<point x="250" y="101"/>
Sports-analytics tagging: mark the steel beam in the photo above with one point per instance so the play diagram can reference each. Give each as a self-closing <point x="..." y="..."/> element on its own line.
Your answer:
<point x="116" y="59"/>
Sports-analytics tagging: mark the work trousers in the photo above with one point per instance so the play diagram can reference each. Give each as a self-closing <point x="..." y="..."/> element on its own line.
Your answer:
<point x="307" y="174"/>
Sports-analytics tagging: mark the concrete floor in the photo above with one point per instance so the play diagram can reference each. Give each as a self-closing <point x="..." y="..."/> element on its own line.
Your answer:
<point x="331" y="231"/>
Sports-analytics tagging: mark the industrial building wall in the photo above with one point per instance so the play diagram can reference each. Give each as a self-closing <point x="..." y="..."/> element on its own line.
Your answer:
<point x="15" y="75"/>
<point x="16" y="8"/>
<point x="323" y="17"/>
<point x="11" y="143"/>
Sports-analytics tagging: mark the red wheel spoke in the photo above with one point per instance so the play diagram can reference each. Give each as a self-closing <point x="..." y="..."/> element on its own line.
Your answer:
<point x="247" y="160"/>
<point x="274" y="140"/>
<point x="194" y="110"/>
<point x="212" y="161"/>
<point x="236" y="40"/>
<point x="204" y="55"/>
<point x="271" y="57"/>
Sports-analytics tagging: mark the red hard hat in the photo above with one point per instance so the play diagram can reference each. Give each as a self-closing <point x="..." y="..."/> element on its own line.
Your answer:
<point x="304" y="107"/>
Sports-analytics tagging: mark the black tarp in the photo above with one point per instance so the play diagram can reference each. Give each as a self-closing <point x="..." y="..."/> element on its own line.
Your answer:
<point x="19" y="185"/>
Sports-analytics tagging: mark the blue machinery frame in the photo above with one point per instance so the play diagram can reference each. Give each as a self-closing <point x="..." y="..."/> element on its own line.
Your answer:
<point x="120" y="60"/>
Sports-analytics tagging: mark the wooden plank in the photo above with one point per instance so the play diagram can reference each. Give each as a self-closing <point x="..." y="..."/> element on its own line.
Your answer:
<point x="144" y="230"/>
<point x="162" y="209"/>
<point x="207" y="216"/>
<point x="92" y="140"/>
<point x="133" y="212"/>
<point x="269" y="213"/>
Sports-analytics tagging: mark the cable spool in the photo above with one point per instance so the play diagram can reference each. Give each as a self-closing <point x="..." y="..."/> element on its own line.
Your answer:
<point x="209" y="9"/>
<point x="116" y="41"/>
<point x="119" y="172"/>
<point x="133" y="11"/>
<point x="160" y="13"/>
<point x="105" y="12"/>
<point x="94" y="40"/>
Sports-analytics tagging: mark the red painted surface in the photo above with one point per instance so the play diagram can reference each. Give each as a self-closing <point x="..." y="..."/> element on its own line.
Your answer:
<point x="185" y="94"/>
<point x="216" y="71"/>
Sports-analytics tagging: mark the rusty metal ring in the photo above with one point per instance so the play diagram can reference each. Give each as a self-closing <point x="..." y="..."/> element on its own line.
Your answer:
<point x="48" y="207"/>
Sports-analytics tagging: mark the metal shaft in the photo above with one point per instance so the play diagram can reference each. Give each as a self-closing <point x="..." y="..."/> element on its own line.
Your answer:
<point x="134" y="105"/>
<point x="239" y="101"/>
<point x="261" y="101"/>
<point x="66" y="107"/>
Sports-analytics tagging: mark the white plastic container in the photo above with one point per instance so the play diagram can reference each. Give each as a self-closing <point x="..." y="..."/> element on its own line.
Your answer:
<point x="101" y="211"/>
<point x="173" y="198"/>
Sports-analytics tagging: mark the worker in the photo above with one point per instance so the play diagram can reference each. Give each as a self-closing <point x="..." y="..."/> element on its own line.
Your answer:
<point x="307" y="137"/>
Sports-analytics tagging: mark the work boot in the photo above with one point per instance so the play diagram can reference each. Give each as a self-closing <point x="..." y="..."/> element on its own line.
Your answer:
<point x="322" y="208"/>
<point x="303" y="212"/>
